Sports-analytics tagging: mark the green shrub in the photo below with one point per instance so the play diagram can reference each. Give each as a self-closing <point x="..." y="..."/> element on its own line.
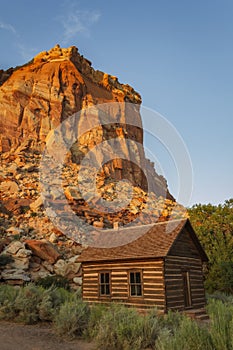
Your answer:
<point x="35" y="303"/>
<point x="156" y="327"/>
<point x="72" y="318"/>
<point x="96" y="313"/>
<point x="225" y="298"/>
<point x="46" y="307"/>
<point x="31" y="304"/>
<point x="52" y="300"/>
<point x="221" y="324"/>
<point x="8" y="295"/>
<point x="53" y="281"/>
<point x="171" y="321"/>
<point x="60" y="296"/>
<point x="120" y="328"/>
<point x="27" y="303"/>
<point x="5" y="259"/>
<point x="187" y="336"/>
<point x="150" y="329"/>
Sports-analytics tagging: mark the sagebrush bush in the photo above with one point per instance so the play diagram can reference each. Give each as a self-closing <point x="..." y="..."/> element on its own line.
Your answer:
<point x="221" y="324"/>
<point x="172" y="321"/>
<point x="28" y="302"/>
<point x="187" y="336"/>
<point x="115" y="326"/>
<point x="46" y="307"/>
<point x="51" y="302"/>
<point x="120" y="328"/>
<point x="72" y="318"/>
<point x="96" y="313"/>
<point x="31" y="304"/>
<point x="8" y="295"/>
<point x="153" y="329"/>
<point x="225" y="298"/>
<point x="55" y="281"/>
<point x="59" y="296"/>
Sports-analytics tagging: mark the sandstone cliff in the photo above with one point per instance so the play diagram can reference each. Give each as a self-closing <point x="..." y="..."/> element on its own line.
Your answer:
<point x="37" y="97"/>
<point x="34" y="100"/>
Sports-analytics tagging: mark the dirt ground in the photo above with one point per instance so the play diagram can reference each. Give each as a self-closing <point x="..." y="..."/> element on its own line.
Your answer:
<point x="14" y="336"/>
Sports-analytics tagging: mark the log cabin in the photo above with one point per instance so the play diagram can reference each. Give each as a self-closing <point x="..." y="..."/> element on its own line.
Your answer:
<point x="162" y="267"/>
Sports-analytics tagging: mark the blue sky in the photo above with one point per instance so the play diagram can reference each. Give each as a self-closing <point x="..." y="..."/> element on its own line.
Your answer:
<point x="177" y="54"/>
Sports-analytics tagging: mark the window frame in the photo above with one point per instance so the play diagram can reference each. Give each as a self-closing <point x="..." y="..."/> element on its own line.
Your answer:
<point x="135" y="284"/>
<point x="104" y="284"/>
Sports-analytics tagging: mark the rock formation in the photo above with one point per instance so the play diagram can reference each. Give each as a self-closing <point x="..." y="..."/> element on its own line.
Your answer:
<point x="34" y="100"/>
<point x="37" y="97"/>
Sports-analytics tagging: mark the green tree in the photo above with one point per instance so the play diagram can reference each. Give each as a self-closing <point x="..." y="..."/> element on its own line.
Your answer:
<point x="214" y="227"/>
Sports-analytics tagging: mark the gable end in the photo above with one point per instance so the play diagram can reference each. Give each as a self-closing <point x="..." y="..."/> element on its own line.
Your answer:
<point x="187" y="244"/>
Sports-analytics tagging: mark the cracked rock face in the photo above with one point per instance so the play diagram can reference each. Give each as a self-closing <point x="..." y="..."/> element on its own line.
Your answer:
<point x="37" y="97"/>
<point x="34" y="100"/>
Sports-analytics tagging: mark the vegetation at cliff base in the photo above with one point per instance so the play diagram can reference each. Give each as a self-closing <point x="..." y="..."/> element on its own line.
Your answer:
<point x="116" y="326"/>
<point x="122" y="328"/>
<point x="214" y="227"/>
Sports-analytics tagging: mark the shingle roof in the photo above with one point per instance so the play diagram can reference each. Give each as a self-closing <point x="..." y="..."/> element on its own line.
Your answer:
<point x="151" y="241"/>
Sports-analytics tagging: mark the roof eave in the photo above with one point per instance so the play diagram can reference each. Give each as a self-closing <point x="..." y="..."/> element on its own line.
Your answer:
<point x="122" y="259"/>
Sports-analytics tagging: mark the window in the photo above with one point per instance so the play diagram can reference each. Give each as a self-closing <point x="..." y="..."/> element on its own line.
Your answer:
<point x="104" y="280"/>
<point x="135" y="283"/>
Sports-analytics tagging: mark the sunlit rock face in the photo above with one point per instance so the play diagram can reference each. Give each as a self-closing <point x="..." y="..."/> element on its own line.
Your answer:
<point x="37" y="97"/>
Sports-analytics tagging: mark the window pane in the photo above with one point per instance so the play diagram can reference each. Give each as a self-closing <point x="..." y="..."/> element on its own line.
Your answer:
<point x="138" y="277"/>
<point x="132" y="280"/>
<point x="107" y="289"/>
<point x="133" y="290"/>
<point x="139" y="290"/>
<point x="102" y="289"/>
<point x="102" y="278"/>
<point x="106" y="277"/>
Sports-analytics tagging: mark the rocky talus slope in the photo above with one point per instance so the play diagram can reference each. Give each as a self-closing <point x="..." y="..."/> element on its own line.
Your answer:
<point x="34" y="100"/>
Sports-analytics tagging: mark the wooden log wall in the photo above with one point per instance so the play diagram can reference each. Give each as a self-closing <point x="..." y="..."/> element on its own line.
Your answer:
<point x="153" y="291"/>
<point x="173" y="268"/>
<point x="184" y="246"/>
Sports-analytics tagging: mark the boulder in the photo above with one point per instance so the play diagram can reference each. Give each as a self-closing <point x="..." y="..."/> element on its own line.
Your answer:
<point x="77" y="280"/>
<point x="14" y="247"/>
<point x="48" y="266"/>
<point x="72" y="193"/>
<point x="42" y="272"/>
<point x="44" y="250"/>
<point x="53" y="238"/>
<point x="16" y="206"/>
<point x="14" y="230"/>
<point x="67" y="268"/>
<point x="20" y="263"/>
<point x="60" y="267"/>
<point x="98" y="224"/>
<point x="15" y="274"/>
<point x="10" y="187"/>
<point x="37" y="204"/>
<point x="23" y="253"/>
<point x="20" y="255"/>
